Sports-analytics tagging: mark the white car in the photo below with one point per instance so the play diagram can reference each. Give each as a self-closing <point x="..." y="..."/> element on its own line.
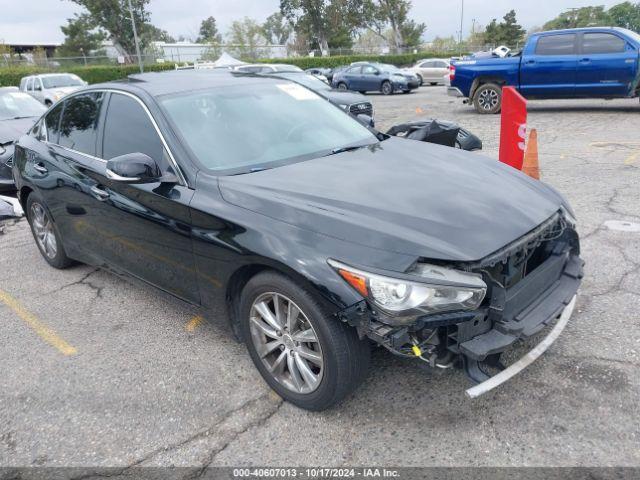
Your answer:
<point x="48" y="88"/>
<point x="431" y="70"/>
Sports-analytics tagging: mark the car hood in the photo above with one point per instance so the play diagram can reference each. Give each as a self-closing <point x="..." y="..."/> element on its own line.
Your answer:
<point x="403" y="196"/>
<point x="11" y="130"/>
<point x="344" y="98"/>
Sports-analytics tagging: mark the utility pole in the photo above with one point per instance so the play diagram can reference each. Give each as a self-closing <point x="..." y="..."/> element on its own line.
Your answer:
<point x="461" y="21"/>
<point x="135" y="38"/>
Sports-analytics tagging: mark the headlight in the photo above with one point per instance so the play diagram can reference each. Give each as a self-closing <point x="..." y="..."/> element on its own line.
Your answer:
<point x="424" y="290"/>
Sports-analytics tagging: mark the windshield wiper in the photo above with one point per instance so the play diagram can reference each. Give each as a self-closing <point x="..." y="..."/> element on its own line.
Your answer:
<point x="347" y="149"/>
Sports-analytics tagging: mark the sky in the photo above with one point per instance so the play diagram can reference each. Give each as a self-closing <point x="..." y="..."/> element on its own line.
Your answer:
<point x="40" y="23"/>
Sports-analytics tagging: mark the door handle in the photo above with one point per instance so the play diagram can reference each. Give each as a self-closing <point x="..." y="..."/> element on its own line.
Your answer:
<point x="530" y="62"/>
<point x="100" y="194"/>
<point x="39" y="167"/>
<point x="585" y="60"/>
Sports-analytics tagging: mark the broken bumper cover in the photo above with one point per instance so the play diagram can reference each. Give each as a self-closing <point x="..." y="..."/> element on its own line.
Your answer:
<point x="528" y="359"/>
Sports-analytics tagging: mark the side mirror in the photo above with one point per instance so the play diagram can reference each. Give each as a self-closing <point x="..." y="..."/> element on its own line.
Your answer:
<point x="366" y="120"/>
<point x="133" y="168"/>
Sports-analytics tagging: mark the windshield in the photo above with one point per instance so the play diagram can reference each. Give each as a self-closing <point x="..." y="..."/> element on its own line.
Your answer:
<point x="308" y="81"/>
<point x="243" y="128"/>
<point x="59" y="81"/>
<point x="18" y="104"/>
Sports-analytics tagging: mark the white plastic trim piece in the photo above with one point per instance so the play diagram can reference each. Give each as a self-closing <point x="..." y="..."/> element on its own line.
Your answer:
<point x="528" y="359"/>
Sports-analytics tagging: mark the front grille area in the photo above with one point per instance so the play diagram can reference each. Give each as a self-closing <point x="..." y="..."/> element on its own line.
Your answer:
<point x="364" y="108"/>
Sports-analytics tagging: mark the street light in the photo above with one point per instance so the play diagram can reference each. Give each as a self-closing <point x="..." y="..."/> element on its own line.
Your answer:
<point x="461" y="20"/>
<point x="135" y="38"/>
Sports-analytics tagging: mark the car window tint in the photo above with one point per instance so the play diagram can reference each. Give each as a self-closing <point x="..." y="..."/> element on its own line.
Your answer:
<point x="354" y="70"/>
<point x="30" y="84"/>
<point x="369" y="70"/>
<point x="602" y="43"/>
<point x="427" y="65"/>
<point x="52" y="121"/>
<point x="79" y="125"/>
<point x="128" y="129"/>
<point x="556" y="45"/>
<point x="440" y="64"/>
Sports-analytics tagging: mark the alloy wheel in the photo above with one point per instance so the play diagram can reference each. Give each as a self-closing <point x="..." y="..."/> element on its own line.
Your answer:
<point x="43" y="229"/>
<point x="488" y="99"/>
<point x="286" y="342"/>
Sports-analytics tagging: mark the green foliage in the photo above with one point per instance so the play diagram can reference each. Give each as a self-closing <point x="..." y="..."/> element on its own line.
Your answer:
<point x="508" y="32"/>
<point x="209" y="31"/>
<point x="390" y="20"/>
<point x="93" y="74"/>
<point x="625" y="15"/>
<point x="579" y="17"/>
<point x="340" y="60"/>
<point x="81" y="36"/>
<point x="247" y="35"/>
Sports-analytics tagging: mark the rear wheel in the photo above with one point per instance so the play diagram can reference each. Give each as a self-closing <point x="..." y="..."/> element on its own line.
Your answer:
<point x="488" y="98"/>
<point x="386" y="88"/>
<point x="342" y="86"/>
<point x="307" y="356"/>
<point x="46" y="234"/>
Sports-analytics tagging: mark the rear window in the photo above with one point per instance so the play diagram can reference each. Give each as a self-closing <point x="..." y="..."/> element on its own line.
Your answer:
<point x="602" y="43"/>
<point x="556" y="45"/>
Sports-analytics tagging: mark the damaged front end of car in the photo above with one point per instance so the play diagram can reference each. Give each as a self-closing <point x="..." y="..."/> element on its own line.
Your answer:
<point x="467" y="314"/>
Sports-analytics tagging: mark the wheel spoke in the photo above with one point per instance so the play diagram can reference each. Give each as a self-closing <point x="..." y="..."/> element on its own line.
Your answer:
<point x="264" y="328"/>
<point x="307" y="336"/>
<point x="309" y="354"/>
<point x="50" y="243"/>
<point x="277" y="307"/>
<point x="278" y="366"/>
<point x="294" y="372"/>
<point x="269" y="347"/>
<point x="292" y="316"/>
<point x="307" y="374"/>
<point x="267" y="315"/>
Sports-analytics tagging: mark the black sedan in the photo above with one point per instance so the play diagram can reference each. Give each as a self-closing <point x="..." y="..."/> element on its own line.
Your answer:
<point x="18" y="113"/>
<point x="317" y="235"/>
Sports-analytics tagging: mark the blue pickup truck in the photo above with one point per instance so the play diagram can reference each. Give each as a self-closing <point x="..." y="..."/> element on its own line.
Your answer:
<point x="598" y="62"/>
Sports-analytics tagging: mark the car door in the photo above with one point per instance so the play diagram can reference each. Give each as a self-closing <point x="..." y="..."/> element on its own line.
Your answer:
<point x="38" y="93"/>
<point x="29" y="87"/>
<point x="441" y="68"/>
<point x="548" y="66"/>
<point x="426" y="70"/>
<point x="369" y="79"/>
<point x="144" y="229"/>
<point x="352" y="77"/>
<point x="607" y="65"/>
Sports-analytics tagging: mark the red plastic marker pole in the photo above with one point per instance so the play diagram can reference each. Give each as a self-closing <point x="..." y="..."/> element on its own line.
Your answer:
<point x="513" y="127"/>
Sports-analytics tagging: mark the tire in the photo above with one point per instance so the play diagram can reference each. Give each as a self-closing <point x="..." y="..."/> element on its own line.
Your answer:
<point x="487" y="99"/>
<point x="46" y="234"/>
<point x="344" y="358"/>
<point x="420" y="79"/>
<point x="433" y="84"/>
<point x="386" y="88"/>
<point x="342" y="86"/>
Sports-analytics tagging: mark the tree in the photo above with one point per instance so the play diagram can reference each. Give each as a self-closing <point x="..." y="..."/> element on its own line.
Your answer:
<point x="579" y="17"/>
<point x="81" y="36"/>
<point x="209" y="32"/>
<point x="507" y="32"/>
<point x="392" y="16"/>
<point x="151" y="33"/>
<point x="246" y="35"/>
<point x="625" y="15"/>
<point x="325" y="23"/>
<point x="277" y="29"/>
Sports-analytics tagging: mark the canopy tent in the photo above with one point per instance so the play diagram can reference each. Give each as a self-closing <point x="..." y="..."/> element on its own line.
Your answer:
<point x="227" y="60"/>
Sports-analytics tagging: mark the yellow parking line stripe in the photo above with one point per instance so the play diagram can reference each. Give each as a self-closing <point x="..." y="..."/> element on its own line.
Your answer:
<point x="194" y="322"/>
<point x="631" y="158"/>
<point x="41" y="329"/>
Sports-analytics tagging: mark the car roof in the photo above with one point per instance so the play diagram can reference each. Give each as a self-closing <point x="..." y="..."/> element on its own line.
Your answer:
<point x="577" y="30"/>
<point x="177" y="81"/>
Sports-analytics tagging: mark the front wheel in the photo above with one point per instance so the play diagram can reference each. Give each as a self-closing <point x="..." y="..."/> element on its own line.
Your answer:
<point x="487" y="99"/>
<point x="342" y="86"/>
<point x="386" y="88"/>
<point x="46" y="234"/>
<point x="308" y="357"/>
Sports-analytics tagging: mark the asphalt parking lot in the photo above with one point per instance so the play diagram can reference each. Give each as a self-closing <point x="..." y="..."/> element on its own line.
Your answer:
<point x="98" y="372"/>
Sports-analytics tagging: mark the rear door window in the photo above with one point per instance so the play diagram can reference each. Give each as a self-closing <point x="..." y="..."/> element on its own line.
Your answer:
<point x="52" y="122"/>
<point x="556" y="45"/>
<point x="602" y="43"/>
<point x="79" y="125"/>
<point x="426" y="65"/>
<point x="128" y="129"/>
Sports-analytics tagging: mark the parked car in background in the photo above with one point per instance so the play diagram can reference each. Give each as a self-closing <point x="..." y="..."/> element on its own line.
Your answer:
<point x="317" y="235"/>
<point x="321" y="72"/>
<point x="48" y="88"/>
<point x="367" y="77"/>
<point x="595" y="62"/>
<point x="267" y="68"/>
<point x="352" y="102"/>
<point x="18" y="113"/>
<point x="431" y="71"/>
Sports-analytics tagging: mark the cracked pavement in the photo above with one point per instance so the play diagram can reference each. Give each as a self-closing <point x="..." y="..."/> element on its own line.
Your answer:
<point x="143" y="390"/>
